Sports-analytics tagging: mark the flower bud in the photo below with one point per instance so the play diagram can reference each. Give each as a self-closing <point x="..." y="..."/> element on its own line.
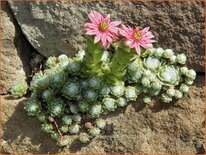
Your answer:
<point x="181" y="58"/>
<point x="184" y="88"/>
<point x="178" y="94"/>
<point x="168" y="53"/>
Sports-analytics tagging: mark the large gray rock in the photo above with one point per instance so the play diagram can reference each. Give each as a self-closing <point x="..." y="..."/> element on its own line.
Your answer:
<point x="56" y="27"/>
<point x="15" y="51"/>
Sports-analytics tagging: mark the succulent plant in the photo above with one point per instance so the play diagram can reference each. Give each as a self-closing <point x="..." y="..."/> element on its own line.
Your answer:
<point x="83" y="106"/>
<point x="181" y="58"/>
<point x="131" y="93"/>
<point x="80" y="55"/>
<point x="84" y="138"/>
<point x="47" y="95"/>
<point x="71" y="90"/>
<point x="94" y="131"/>
<point x="147" y="99"/>
<point x="95" y="110"/>
<point x="104" y="90"/>
<point x="118" y="90"/>
<point x="76" y="118"/>
<point x="64" y="141"/>
<point x="156" y="86"/>
<point x="189" y="81"/>
<point x="191" y="74"/>
<point x="169" y="75"/>
<point x="152" y="63"/>
<point x="47" y="127"/>
<point x="73" y="108"/>
<point x="42" y="117"/>
<point x="64" y="128"/>
<point x="178" y="94"/>
<point x="56" y="107"/>
<point x="58" y="79"/>
<point x="173" y="59"/>
<point x="74" y="128"/>
<point x="33" y="107"/>
<point x="184" y="88"/>
<point x="74" y="66"/>
<point x="100" y="123"/>
<point x="121" y="102"/>
<point x="184" y="70"/>
<point x="51" y="61"/>
<point x="166" y="98"/>
<point x="95" y="82"/>
<point x="109" y="103"/>
<point x="171" y="92"/>
<point x="19" y="89"/>
<point x="54" y="135"/>
<point x="168" y="53"/>
<point x="67" y="120"/>
<point x="145" y="82"/>
<point x="62" y="57"/>
<point x="90" y="95"/>
<point x="158" y="52"/>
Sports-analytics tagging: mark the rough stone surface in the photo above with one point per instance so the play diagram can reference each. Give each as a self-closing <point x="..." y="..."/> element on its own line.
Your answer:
<point x="14" y="53"/>
<point x="156" y="128"/>
<point x="56" y="27"/>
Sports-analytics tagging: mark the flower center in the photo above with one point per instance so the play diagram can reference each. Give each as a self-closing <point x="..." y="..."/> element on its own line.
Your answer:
<point x="103" y="26"/>
<point x="137" y="36"/>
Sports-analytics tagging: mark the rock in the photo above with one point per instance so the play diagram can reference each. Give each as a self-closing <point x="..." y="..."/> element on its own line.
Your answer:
<point x="177" y="128"/>
<point x="15" y="51"/>
<point x="56" y="27"/>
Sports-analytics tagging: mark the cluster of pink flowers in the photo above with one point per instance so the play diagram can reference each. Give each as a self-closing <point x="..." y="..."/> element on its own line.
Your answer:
<point x="107" y="31"/>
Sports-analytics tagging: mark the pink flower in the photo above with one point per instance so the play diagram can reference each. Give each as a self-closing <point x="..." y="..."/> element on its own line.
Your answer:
<point x="103" y="29"/>
<point x="136" y="38"/>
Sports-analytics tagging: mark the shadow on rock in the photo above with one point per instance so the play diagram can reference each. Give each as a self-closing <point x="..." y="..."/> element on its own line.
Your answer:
<point x="21" y="131"/>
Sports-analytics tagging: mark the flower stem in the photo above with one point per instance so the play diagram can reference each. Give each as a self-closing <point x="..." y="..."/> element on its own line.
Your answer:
<point x="92" y="60"/>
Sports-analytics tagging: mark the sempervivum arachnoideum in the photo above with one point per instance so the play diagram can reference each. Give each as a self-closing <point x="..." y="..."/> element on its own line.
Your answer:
<point x="33" y="107"/>
<point x="56" y="107"/>
<point x="71" y="89"/>
<point x="19" y="89"/>
<point x="169" y="75"/>
<point x="40" y="81"/>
